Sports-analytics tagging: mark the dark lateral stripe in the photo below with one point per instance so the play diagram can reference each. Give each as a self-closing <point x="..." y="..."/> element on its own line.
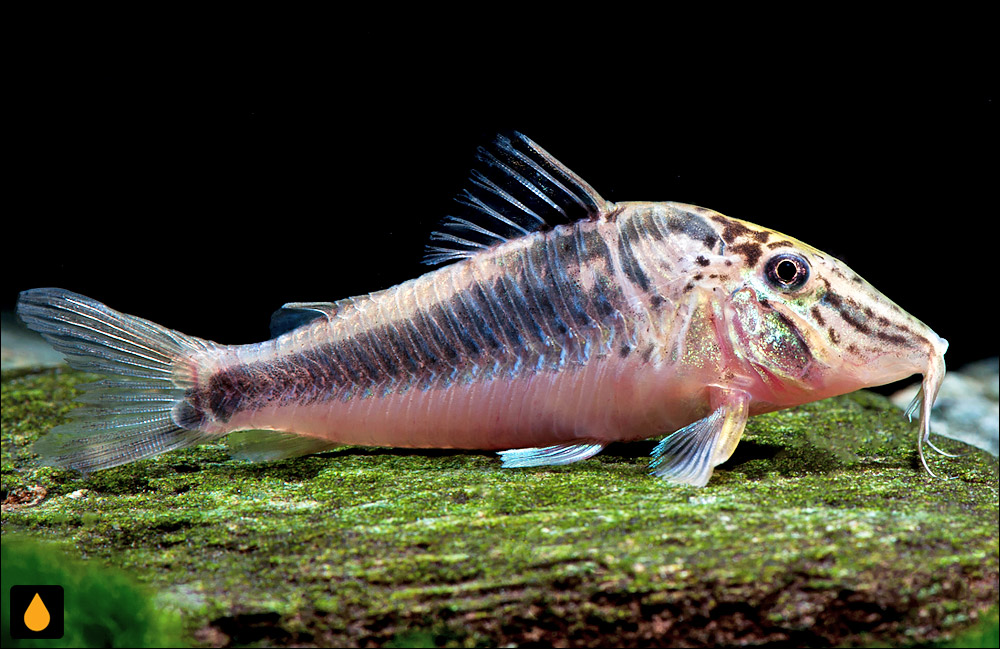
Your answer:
<point x="605" y="296"/>
<point x="607" y="299"/>
<point x="434" y="337"/>
<point x="584" y="299"/>
<point x="536" y="311"/>
<point x="331" y="374"/>
<point x="537" y="292"/>
<point x="462" y="333"/>
<point x="357" y="355"/>
<point x="225" y="392"/>
<point x="504" y="326"/>
<point x="524" y="309"/>
<point x="373" y="346"/>
<point x="453" y="330"/>
<point x="400" y="348"/>
<point x="593" y="247"/>
<point x="646" y="224"/>
<point x="545" y="310"/>
<point x="562" y="256"/>
<point x="345" y="360"/>
<point x="475" y="314"/>
<point x="418" y="344"/>
<point x="379" y="356"/>
<point x="312" y="373"/>
<point x="630" y="265"/>
<point x="254" y="385"/>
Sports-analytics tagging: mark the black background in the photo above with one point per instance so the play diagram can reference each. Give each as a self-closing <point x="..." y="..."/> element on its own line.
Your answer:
<point x="204" y="188"/>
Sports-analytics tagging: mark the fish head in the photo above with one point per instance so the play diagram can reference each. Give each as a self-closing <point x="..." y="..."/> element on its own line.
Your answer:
<point x="809" y="327"/>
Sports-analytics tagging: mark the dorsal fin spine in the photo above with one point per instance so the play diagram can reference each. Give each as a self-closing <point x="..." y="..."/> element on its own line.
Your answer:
<point x="594" y="205"/>
<point x="479" y="179"/>
<point x="472" y="201"/>
<point x="534" y="165"/>
<point x="469" y="225"/>
<point x="521" y="179"/>
<point x="444" y="236"/>
<point x="516" y="190"/>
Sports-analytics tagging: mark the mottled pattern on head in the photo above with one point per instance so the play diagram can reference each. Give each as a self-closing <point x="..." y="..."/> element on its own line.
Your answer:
<point x="801" y="319"/>
<point x="845" y="320"/>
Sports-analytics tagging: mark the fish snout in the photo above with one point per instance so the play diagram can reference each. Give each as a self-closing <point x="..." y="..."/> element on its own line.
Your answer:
<point x="871" y="334"/>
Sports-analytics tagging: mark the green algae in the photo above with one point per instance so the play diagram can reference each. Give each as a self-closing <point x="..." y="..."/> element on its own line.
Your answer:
<point x="101" y="607"/>
<point x="821" y="529"/>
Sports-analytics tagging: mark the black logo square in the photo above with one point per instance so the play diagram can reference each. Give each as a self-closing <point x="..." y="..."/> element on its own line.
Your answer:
<point x="36" y="612"/>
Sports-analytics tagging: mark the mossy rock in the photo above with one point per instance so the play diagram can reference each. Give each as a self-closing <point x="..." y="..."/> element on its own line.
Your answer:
<point x="822" y="529"/>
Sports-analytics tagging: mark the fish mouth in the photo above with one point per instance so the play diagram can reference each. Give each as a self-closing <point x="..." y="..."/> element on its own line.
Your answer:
<point x="924" y="400"/>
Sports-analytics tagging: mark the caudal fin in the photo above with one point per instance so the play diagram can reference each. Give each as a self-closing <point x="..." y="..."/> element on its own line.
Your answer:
<point x="140" y="410"/>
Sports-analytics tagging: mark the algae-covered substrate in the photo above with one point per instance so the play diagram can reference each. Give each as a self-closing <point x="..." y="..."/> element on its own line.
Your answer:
<point x="823" y="529"/>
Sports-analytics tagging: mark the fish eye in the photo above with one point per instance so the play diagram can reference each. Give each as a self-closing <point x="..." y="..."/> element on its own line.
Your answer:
<point x="787" y="272"/>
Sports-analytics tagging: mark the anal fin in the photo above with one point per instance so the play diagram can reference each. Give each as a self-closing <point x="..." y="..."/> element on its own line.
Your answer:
<point x="550" y="455"/>
<point x="269" y="445"/>
<point x="689" y="455"/>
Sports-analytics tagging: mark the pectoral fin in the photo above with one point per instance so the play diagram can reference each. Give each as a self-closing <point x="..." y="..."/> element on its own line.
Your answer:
<point x="559" y="454"/>
<point x="689" y="455"/>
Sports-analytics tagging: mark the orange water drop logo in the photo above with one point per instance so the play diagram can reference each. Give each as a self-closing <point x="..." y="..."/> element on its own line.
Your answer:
<point x="37" y="617"/>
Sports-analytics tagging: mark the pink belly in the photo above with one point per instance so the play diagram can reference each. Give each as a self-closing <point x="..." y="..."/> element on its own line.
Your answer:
<point x="604" y="400"/>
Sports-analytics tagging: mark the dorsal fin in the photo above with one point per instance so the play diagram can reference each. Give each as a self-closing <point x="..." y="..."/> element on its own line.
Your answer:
<point x="295" y="314"/>
<point x="515" y="188"/>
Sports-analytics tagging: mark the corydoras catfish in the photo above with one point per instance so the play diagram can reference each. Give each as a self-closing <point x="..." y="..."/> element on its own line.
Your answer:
<point x="560" y="323"/>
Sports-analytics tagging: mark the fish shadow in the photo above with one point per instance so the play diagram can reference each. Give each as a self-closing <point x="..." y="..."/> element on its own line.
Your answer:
<point x="301" y="468"/>
<point x="747" y="451"/>
<point x="310" y="466"/>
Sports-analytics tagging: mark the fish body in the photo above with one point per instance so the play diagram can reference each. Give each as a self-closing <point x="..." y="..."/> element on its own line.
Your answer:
<point x="547" y="343"/>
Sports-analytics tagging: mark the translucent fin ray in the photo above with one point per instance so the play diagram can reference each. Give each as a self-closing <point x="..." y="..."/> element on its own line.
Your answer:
<point x="131" y="416"/>
<point x="690" y="455"/>
<point x="685" y="456"/>
<point x="550" y="455"/>
<point x="516" y="188"/>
